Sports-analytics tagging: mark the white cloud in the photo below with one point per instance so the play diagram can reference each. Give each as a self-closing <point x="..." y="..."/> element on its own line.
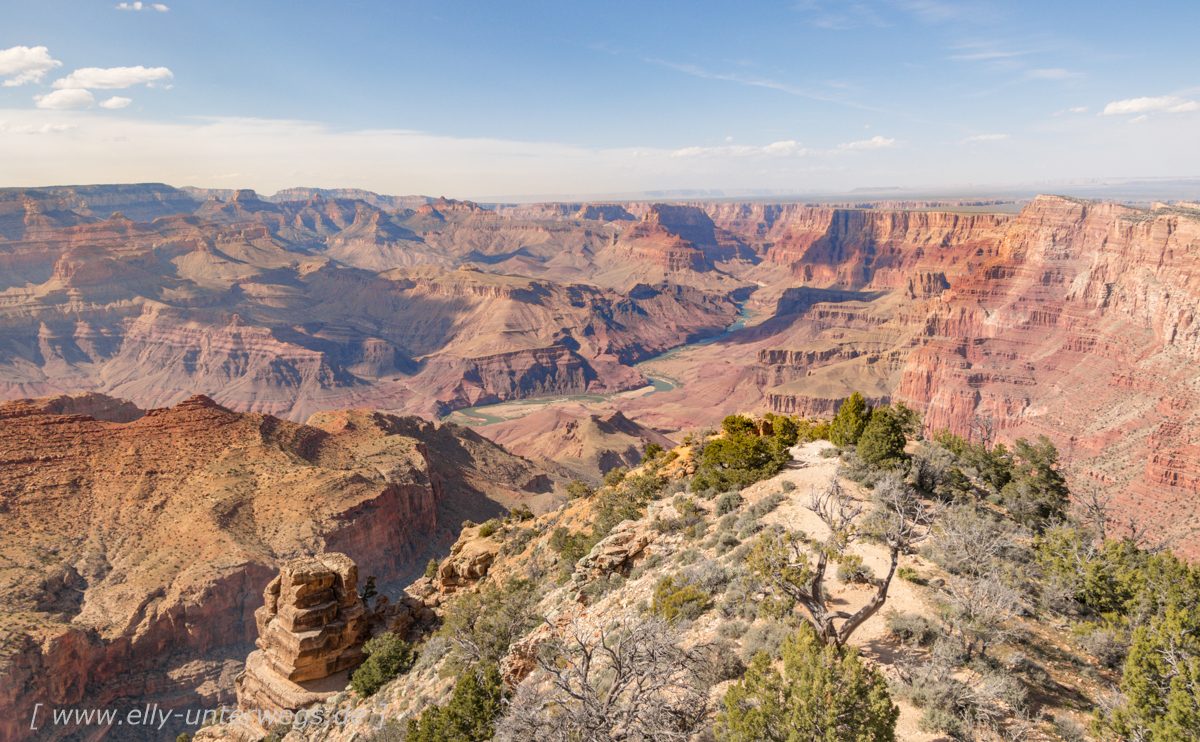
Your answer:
<point x="113" y="78"/>
<point x="1159" y="104"/>
<point x="986" y="138"/>
<point x="985" y="54"/>
<point x="143" y="6"/>
<point x="62" y="100"/>
<point x="875" y="142"/>
<point x="25" y="64"/>
<point x="116" y="102"/>
<point x="787" y="148"/>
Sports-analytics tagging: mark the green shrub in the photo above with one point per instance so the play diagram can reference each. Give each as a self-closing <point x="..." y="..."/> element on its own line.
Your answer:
<point x="1037" y="495"/>
<point x="824" y="694"/>
<point x="851" y="569"/>
<point x="613" y="477"/>
<point x="482" y="625"/>
<point x="908" y="574"/>
<point x="470" y="714"/>
<point x="431" y="569"/>
<point x="850" y="421"/>
<point x="739" y="425"/>
<point x="489" y="527"/>
<point x="579" y="489"/>
<point x="388" y="656"/>
<point x="808" y="431"/>
<point x="882" y="442"/>
<point x="679" y="600"/>
<point x="738" y="460"/>
<point x="519" y="513"/>
<point x="652" y="451"/>
<point x="783" y="428"/>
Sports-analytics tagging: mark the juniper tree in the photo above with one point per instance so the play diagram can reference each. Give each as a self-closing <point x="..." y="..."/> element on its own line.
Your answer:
<point x="850" y="421"/>
<point x="795" y="569"/>
<point x="824" y="694"/>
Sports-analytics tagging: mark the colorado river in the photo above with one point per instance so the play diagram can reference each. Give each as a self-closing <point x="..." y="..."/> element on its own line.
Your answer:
<point x="489" y="414"/>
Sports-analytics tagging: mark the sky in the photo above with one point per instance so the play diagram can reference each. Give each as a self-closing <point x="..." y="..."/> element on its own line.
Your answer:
<point x="524" y="99"/>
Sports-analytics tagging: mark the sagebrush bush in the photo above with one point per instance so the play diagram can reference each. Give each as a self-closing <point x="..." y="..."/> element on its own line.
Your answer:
<point x="1106" y="644"/>
<point x="765" y="636"/>
<point x="711" y="577"/>
<point x="734" y="629"/>
<point x="913" y="629"/>
<point x="729" y="502"/>
<point x="601" y="586"/>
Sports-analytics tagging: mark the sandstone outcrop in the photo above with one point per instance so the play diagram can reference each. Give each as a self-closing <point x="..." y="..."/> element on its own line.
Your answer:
<point x="614" y="554"/>
<point x="470" y="558"/>
<point x="311" y="627"/>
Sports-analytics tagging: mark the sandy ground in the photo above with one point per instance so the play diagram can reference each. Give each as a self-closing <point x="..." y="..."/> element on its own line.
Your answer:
<point x="810" y="471"/>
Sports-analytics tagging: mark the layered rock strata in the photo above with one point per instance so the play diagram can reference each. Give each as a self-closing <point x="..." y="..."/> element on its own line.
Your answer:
<point x="311" y="628"/>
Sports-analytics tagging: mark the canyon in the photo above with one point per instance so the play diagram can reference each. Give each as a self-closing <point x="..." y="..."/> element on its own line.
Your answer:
<point x="204" y="385"/>
<point x="1073" y="319"/>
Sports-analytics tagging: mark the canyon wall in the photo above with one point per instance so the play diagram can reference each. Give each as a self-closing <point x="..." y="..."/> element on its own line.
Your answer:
<point x="1085" y="327"/>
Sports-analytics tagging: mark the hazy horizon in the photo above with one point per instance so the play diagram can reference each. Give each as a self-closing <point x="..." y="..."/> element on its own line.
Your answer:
<point x="539" y="101"/>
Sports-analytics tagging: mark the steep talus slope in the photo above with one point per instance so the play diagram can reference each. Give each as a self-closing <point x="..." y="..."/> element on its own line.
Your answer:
<point x="132" y="552"/>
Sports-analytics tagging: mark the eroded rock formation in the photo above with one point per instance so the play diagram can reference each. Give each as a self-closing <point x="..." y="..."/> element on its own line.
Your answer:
<point x="311" y="629"/>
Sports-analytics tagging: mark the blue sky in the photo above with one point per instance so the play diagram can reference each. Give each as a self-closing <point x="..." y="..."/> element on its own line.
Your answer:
<point x="495" y="99"/>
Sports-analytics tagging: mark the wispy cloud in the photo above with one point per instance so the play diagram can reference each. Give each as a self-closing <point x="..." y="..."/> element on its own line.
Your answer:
<point x="1151" y="104"/>
<point x="986" y="138"/>
<point x="984" y="52"/>
<point x="837" y="15"/>
<point x="114" y="78"/>
<point x="116" y="102"/>
<point x="942" y="11"/>
<point x="785" y="148"/>
<point x="758" y="82"/>
<point x="7" y="128"/>
<point x="20" y="65"/>
<point x="136" y="6"/>
<point x="875" y="142"/>
<point x="1071" y="110"/>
